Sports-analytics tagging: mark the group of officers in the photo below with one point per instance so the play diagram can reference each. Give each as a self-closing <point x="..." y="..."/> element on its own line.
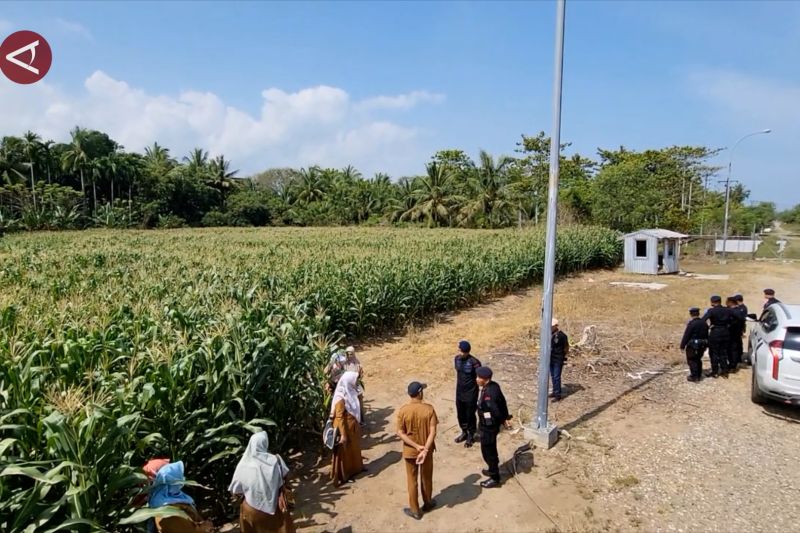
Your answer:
<point x="721" y="330"/>
<point x="482" y="412"/>
<point x="481" y="409"/>
<point x="480" y="404"/>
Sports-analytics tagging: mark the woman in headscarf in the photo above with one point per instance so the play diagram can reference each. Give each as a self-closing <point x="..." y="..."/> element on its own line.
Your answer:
<point x="259" y="480"/>
<point x="167" y="491"/>
<point x="346" y="417"/>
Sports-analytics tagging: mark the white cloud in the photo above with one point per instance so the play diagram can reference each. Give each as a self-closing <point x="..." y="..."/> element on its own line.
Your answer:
<point x="76" y="28"/>
<point x="315" y="125"/>
<point x="400" y="101"/>
<point x="763" y="100"/>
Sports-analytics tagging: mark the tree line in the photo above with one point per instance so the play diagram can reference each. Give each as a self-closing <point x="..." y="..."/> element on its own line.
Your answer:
<point x="92" y="181"/>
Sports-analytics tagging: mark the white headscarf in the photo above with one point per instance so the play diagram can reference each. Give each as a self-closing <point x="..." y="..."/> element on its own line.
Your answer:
<point x="347" y="390"/>
<point x="259" y="475"/>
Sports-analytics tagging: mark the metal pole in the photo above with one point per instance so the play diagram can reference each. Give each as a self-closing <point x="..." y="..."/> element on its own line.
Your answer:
<point x="545" y="433"/>
<point x="727" y="192"/>
<point x="725" y="223"/>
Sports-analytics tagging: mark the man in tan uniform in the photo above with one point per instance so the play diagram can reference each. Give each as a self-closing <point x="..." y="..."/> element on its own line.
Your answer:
<point x="416" y="427"/>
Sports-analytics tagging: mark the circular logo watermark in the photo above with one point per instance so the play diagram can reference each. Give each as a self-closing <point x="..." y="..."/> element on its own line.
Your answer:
<point x="25" y="57"/>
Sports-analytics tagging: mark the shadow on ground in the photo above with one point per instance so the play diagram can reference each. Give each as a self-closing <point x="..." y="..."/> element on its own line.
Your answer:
<point x="315" y="494"/>
<point x="459" y="493"/>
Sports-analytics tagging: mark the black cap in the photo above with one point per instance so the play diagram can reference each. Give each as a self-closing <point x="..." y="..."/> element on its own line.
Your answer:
<point x="694" y="310"/>
<point x="716" y="299"/>
<point x="415" y="387"/>
<point x="484" y="372"/>
<point x="769" y="292"/>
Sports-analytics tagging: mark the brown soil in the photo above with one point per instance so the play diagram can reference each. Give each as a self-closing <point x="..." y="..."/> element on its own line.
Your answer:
<point x="641" y="451"/>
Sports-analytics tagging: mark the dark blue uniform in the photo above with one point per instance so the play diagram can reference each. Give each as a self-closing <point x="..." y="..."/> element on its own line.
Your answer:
<point x="737" y="329"/>
<point x="695" y="341"/>
<point x="492" y="412"/>
<point x="719" y="320"/>
<point x="466" y="395"/>
<point x="559" y="346"/>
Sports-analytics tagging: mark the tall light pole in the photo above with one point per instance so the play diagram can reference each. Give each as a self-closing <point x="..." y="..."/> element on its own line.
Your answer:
<point x="542" y="431"/>
<point x="728" y="193"/>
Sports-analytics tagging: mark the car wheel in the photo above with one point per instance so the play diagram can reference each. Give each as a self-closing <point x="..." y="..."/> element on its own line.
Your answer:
<point x="755" y="393"/>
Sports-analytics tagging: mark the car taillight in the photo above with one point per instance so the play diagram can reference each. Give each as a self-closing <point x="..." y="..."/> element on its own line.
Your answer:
<point x="776" y="349"/>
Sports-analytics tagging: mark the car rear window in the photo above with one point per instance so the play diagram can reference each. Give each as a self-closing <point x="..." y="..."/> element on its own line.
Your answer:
<point x="792" y="340"/>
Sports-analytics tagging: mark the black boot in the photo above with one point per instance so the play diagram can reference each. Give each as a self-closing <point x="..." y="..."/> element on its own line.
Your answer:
<point x="470" y="440"/>
<point x="461" y="438"/>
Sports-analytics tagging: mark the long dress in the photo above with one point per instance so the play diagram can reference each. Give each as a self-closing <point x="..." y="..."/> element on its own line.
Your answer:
<point x="254" y="521"/>
<point x="174" y="524"/>
<point x="347" y="460"/>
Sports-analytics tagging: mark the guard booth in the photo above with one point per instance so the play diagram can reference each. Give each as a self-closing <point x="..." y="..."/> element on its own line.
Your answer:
<point x="653" y="251"/>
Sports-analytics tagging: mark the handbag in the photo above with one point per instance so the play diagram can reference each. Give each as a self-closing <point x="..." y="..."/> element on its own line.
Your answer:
<point x="330" y="435"/>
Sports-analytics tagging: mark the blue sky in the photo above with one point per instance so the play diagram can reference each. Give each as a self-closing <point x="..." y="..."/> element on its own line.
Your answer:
<point x="384" y="85"/>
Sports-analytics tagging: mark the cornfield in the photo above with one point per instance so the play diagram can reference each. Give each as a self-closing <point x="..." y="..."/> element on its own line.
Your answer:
<point x="118" y="346"/>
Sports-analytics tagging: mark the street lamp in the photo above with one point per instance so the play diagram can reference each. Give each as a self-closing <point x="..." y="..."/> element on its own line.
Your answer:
<point x="541" y="430"/>
<point x="728" y="192"/>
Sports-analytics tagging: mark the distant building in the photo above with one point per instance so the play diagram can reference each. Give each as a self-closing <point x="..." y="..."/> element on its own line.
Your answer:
<point x="737" y="246"/>
<point x="653" y="251"/>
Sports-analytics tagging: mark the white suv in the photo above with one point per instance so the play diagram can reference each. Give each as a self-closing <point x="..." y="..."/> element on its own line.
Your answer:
<point x="774" y="352"/>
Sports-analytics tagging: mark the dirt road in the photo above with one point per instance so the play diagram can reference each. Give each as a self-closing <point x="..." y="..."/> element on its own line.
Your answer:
<point x="646" y="451"/>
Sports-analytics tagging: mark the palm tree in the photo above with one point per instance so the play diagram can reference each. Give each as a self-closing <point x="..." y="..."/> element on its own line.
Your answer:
<point x="403" y="199"/>
<point x="10" y="168"/>
<point x="75" y="158"/>
<point x="310" y="185"/>
<point x="197" y="159"/>
<point x="434" y="197"/>
<point x="488" y="186"/>
<point x="31" y="143"/>
<point x="48" y="156"/>
<point x="112" y="164"/>
<point x="221" y="176"/>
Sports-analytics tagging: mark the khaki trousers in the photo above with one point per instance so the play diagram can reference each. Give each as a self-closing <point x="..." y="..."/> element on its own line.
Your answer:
<point x="416" y="476"/>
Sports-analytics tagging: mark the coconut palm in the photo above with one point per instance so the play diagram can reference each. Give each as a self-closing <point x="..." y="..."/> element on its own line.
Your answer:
<point x="197" y="159"/>
<point x="75" y="158"/>
<point x="221" y="176"/>
<point x="310" y="186"/>
<point x="435" y="201"/>
<point x="31" y="145"/>
<point x="487" y="185"/>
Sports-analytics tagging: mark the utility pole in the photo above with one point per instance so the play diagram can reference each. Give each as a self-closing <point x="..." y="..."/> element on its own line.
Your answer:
<point x="542" y="431"/>
<point x="727" y="192"/>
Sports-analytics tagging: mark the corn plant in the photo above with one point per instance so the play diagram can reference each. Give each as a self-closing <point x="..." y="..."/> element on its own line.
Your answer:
<point x="115" y="346"/>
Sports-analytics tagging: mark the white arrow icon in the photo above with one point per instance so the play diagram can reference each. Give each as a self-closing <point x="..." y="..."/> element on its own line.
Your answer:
<point x="12" y="57"/>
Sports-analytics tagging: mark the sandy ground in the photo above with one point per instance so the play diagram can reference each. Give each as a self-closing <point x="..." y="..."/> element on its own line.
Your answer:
<point x="642" y="451"/>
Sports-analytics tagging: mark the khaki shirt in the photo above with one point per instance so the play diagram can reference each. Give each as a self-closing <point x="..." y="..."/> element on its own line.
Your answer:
<point x="414" y="419"/>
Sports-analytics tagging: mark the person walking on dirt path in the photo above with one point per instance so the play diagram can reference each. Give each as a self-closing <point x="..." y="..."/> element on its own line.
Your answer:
<point x="346" y="415"/>
<point x="466" y="393"/>
<point x="737" y="329"/>
<point x="346" y="362"/>
<point x="694" y="341"/>
<point x="416" y="427"/>
<point x="259" y="483"/>
<point x="493" y="414"/>
<point x="559" y="348"/>
<point x="719" y="320"/>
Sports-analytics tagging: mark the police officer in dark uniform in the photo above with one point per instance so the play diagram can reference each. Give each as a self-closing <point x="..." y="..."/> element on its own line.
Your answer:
<point x="719" y="320"/>
<point x="694" y="341"/>
<point x="737" y="327"/>
<point x="740" y="305"/>
<point x="492" y="413"/>
<point x="466" y="393"/>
